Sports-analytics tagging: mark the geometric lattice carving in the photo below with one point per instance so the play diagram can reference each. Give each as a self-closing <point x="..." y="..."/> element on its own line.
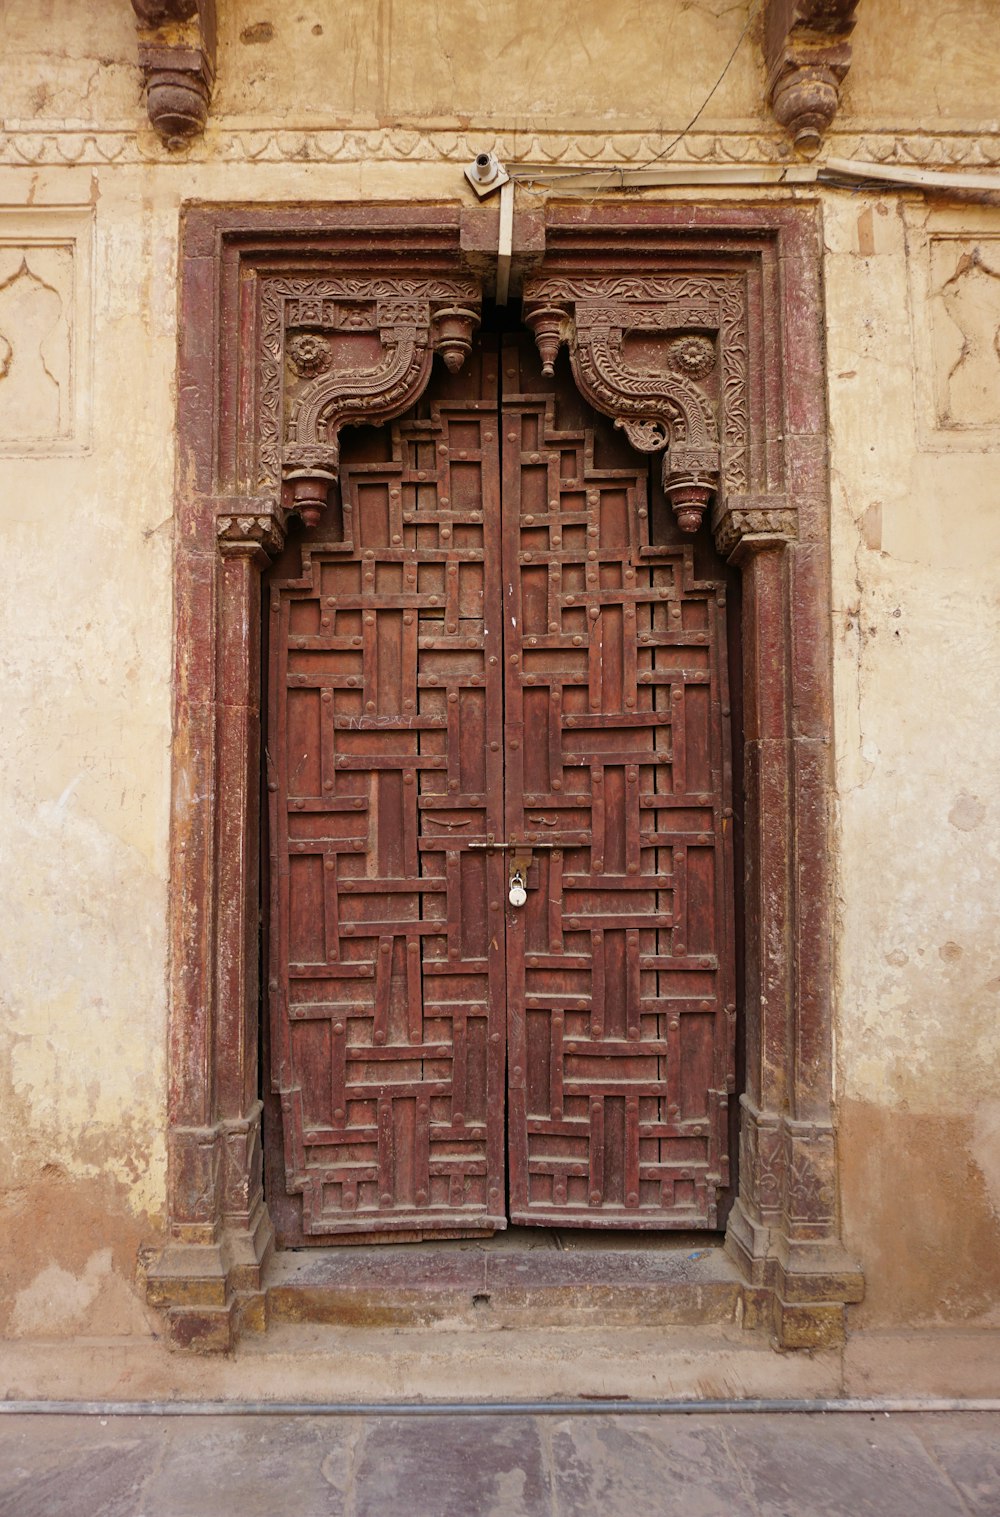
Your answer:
<point x="414" y="722"/>
<point x="387" y="725"/>
<point x="620" y="978"/>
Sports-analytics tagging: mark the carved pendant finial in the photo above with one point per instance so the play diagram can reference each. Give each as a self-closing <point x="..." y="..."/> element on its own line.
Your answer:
<point x="550" y="325"/>
<point x="453" y="329"/>
<point x="311" y="493"/>
<point x="689" y="501"/>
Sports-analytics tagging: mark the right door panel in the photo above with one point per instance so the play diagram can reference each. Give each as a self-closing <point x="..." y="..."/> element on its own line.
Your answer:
<point x="620" y="964"/>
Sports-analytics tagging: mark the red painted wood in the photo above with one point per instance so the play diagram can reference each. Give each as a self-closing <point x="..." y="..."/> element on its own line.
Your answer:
<point x="387" y="927"/>
<point x="620" y="963"/>
<point x="411" y="716"/>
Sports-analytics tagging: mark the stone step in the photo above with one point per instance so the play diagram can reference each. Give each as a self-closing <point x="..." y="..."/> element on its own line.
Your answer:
<point x="480" y="1284"/>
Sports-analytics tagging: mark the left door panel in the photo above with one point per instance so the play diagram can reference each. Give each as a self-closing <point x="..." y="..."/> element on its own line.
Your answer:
<point x="384" y="754"/>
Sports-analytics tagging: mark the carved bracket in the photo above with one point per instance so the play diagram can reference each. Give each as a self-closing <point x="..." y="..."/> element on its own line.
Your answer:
<point x="647" y="353"/>
<point x="808" y="54"/>
<point x="177" y="42"/>
<point x="343" y="352"/>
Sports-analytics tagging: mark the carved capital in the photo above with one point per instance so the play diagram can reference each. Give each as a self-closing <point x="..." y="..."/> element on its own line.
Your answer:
<point x="251" y="526"/>
<point x="348" y="352"/>
<point x="808" y="55"/>
<point x="649" y="358"/>
<point x="177" y="41"/>
<point x="745" y="524"/>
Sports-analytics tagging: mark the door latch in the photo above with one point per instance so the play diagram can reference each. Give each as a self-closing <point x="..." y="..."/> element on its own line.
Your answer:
<point x="520" y="863"/>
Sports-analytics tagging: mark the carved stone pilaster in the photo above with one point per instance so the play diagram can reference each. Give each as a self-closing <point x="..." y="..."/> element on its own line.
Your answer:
<point x="808" y="55"/>
<point x="177" y="43"/>
<point x="744" y="523"/>
<point x="649" y="353"/>
<point x="348" y="352"/>
<point x="211" y="1288"/>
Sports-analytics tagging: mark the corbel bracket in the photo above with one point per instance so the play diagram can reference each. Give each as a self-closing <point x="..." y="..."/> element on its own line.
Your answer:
<point x="177" y="41"/>
<point x="808" y="53"/>
<point x="648" y="360"/>
<point x="354" y="352"/>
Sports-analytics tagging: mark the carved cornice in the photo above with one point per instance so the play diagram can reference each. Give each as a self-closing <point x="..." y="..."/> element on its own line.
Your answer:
<point x="177" y="40"/>
<point x="667" y="359"/>
<point x="807" y="52"/>
<point x="350" y="351"/>
<point x="121" y="145"/>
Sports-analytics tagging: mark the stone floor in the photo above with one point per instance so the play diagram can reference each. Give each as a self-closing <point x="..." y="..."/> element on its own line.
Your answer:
<point x="494" y="1464"/>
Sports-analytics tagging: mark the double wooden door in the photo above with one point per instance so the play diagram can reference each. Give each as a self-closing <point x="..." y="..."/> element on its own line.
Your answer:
<point x="501" y="667"/>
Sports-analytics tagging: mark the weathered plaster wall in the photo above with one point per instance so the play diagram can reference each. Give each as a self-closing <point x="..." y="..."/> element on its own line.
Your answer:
<point x="913" y="319"/>
<point x="85" y="505"/>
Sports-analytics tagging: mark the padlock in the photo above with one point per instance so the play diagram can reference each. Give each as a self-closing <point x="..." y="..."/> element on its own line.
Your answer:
<point x="517" y="895"/>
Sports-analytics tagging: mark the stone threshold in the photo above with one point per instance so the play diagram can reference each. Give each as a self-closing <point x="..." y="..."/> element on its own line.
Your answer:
<point x="520" y="1279"/>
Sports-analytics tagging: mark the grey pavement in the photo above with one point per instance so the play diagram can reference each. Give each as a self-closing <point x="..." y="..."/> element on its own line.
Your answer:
<point x="857" y="1464"/>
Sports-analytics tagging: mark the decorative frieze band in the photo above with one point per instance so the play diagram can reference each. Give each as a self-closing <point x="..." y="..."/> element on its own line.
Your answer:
<point x="122" y="144"/>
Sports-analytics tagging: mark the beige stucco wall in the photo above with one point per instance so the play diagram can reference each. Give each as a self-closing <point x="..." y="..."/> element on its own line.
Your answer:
<point x="388" y="101"/>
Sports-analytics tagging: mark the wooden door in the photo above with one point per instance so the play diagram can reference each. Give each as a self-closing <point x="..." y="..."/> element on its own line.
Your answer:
<point x="465" y="678"/>
<point x="620" y="1001"/>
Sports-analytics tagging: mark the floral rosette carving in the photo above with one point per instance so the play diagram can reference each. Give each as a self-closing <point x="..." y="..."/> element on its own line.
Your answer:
<point x="309" y="354"/>
<point x="692" y="356"/>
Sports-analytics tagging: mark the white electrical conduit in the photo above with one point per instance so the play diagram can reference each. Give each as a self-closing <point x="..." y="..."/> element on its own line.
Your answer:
<point x="832" y="171"/>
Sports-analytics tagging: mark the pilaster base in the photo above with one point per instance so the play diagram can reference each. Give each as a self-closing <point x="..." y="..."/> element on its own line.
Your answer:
<point x="798" y="1288"/>
<point x="212" y="1292"/>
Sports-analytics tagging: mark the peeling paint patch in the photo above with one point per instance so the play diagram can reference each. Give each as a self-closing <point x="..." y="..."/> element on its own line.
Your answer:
<point x="56" y="1301"/>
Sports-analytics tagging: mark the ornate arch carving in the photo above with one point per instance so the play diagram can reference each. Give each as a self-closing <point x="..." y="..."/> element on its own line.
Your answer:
<point x="348" y="352"/>
<point x="666" y="358"/>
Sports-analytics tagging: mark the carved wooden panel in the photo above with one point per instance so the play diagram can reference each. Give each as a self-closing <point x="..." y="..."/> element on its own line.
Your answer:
<point x="620" y="980"/>
<point x="387" y="927"/>
<point x="457" y="680"/>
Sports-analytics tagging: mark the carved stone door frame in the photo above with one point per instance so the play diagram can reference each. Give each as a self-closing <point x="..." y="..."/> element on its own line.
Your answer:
<point x="398" y="286"/>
